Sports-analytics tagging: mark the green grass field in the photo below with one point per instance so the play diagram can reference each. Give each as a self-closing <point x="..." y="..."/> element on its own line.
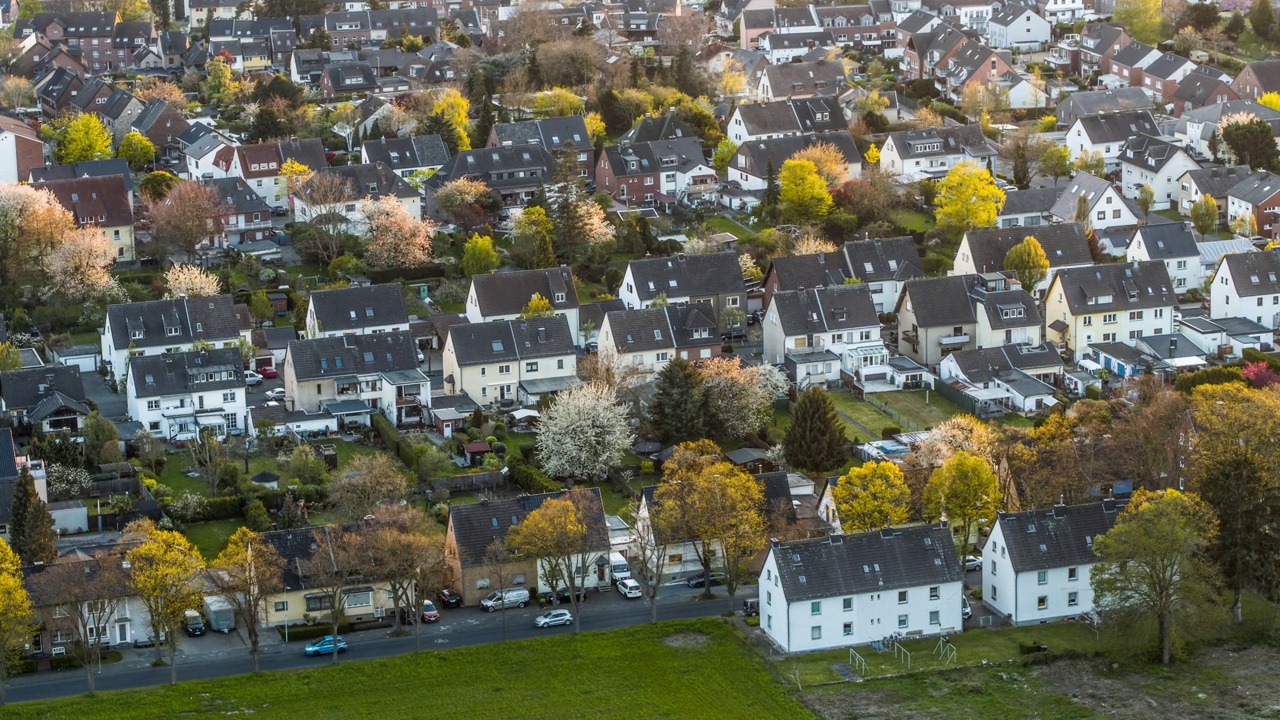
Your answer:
<point x="672" y="670"/>
<point x="911" y="404"/>
<point x="873" y="419"/>
<point x="723" y="224"/>
<point x="210" y="537"/>
<point x="914" y="220"/>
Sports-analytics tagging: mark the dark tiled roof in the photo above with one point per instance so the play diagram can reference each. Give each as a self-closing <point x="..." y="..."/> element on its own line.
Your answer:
<point x="1093" y="102"/>
<point x="838" y="307"/>
<point x="1170" y="240"/>
<point x="1085" y="185"/>
<point x="940" y="301"/>
<point x="1061" y="536"/>
<point x="507" y="293"/>
<point x="951" y="141"/>
<point x="1256" y="189"/>
<point x="880" y="561"/>
<point x="1118" y="126"/>
<point x="1148" y="153"/>
<point x="1132" y="54"/>
<point x="1255" y="273"/>
<point x="8" y="464"/>
<point x="1064" y="244"/>
<point x="882" y="259"/>
<point x="1218" y="181"/>
<point x="995" y="305"/>
<point x="411" y="152"/>
<point x="1129" y="286"/>
<point x="476" y="525"/>
<point x="55" y="402"/>
<point x="92" y="168"/>
<point x="206" y="318"/>
<point x="355" y="308"/>
<point x="687" y="275"/>
<point x="93" y="200"/>
<point x="373" y="180"/>
<point x="485" y="343"/>
<point x="178" y="373"/>
<point x="780" y="149"/>
<point x="988" y="363"/>
<point x="1165" y="66"/>
<point x="808" y="271"/>
<point x="1267" y="73"/>
<point x="353" y="355"/>
<point x="1198" y="88"/>
<point x="660" y="127"/>
<point x="237" y="197"/>
<point x="1033" y="200"/>
<point x="24" y="389"/>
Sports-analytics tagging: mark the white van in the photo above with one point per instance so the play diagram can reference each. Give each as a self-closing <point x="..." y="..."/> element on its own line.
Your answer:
<point x="619" y="567"/>
<point x="505" y="598"/>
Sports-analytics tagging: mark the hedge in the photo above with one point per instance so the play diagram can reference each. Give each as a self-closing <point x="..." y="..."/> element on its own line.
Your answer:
<point x="1251" y="355"/>
<point x="312" y="632"/>
<point x="1218" y="375"/>
<point x="221" y="508"/>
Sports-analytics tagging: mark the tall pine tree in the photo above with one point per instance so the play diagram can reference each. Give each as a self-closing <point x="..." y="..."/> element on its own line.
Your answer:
<point x="815" y="440"/>
<point x="677" y="412"/>
<point x="31" y="524"/>
<point x="771" y="188"/>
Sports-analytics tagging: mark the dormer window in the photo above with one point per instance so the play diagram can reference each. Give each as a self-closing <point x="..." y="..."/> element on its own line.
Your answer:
<point x="171" y="330"/>
<point x="135" y="335"/>
<point x="559" y="297"/>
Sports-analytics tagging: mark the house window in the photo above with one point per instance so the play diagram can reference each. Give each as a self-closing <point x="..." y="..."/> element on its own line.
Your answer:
<point x="61" y="611"/>
<point x="1042" y="577"/>
<point x="153" y="404"/>
<point x="1135" y="314"/>
<point x="1042" y="602"/>
<point x="933" y="592"/>
<point x="933" y="618"/>
<point x="902" y="597"/>
<point x="1109" y="318"/>
<point x="1102" y="214"/>
<point x="815" y="607"/>
<point x="902" y="621"/>
<point x="316" y="603"/>
<point x="993" y="567"/>
<point x="848" y="604"/>
<point x="282" y="606"/>
<point x="994" y="595"/>
<point x="768" y="597"/>
<point x="678" y="557"/>
<point x="1072" y="574"/>
<point x="228" y="397"/>
<point x="559" y="297"/>
<point x="504" y="369"/>
<point x="815" y="632"/>
<point x="531" y="367"/>
<point x="848" y="629"/>
<point x="1073" y="599"/>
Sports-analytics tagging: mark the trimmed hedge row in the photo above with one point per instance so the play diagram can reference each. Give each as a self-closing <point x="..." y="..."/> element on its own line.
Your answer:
<point x="1251" y="355"/>
<point x="312" y="632"/>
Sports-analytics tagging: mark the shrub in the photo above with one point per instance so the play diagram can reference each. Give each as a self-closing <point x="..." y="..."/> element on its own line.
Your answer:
<point x="528" y="450"/>
<point x="529" y="478"/>
<point x="1251" y="355"/>
<point x="752" y="621"/>
<point x="1218" y="375"/>
<point x="500" y="431"/>
<point x="934" y="265"/>
<point x="646" y="467"/>
<point x="1093" y="392"/>
<point x="187" y="507"/>
<point x="221" y="508"/>
<point x="499" y="448"/>
<point x="889" y="431"/>
<point x="255" y="515"/>
<point x="976" y="594"/>
<point x="441" y="511"/>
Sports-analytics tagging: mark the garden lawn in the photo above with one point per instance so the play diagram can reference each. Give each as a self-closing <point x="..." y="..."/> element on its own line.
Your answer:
<point x="670" y="670"/>
<point x="210" y="537"/>
<point x="177" y="464"/>
<point x="911" y="404"/>
<point x="914" y="220"/>
<point x="724" y="224"/>
<point x="861" y="412"/>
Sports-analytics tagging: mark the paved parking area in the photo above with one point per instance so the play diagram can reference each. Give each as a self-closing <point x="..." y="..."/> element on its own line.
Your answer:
<point x="111" y="404"/>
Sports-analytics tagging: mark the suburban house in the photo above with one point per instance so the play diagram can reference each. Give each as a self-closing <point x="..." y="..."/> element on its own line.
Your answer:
<point x="57" y="634"/>
<point x="714" y="279"/>
<point x="176" y="395"/>
<point x="1109" y="303"/>
<point x="48" y="398"/>
<point x="1202" y="87"/>
<point x="1018" y="26"/>
<point x="984" y="251"/>
<point x="1196" y="129"/>
<point x="749" y="168"/>
<point x="1161" y="78"/>
<point x="152" y="327"/>
<point x="1028" y="208"/>
<point x="884" y="265"/>
<point x="260" y="165"/>
<point x="1175" y="245"/>
<point x="1095" y="102"/>
<point x="21" y="150"/>
<point x="363" y="183"/>
<point x="1258" y="79"/>
<point x="1145" y="160"/>
<point x="514" y="173"/>
<point x="1247" y="285"/>
<point x="1233" y="334"/>
<point x="917" y="154"/>
<point x="367" y="599"/>
<point x="652" y="337"/>
<point x="846" y="590"/>
<point x="799" y="80"/>
<point x="555" y="135"/>
<point x="1106" y="133"/>
<point x="473" y="528"/>
<point x="503" y="296"/>
<point x="1102" y="203"/>
<point x="1214" y="182"/>
<point x="816" y="333"/>
<point x="1012" y="378"/>
<point x="656" y="172"/>
<point x="784" y="118"/>
<point x="103" y="202"/>
<point x="939" y="316"/>
<point x="1037" y="563"/>
<point x="356" y="311"/>
<point x="502" y="360"/>
<point x="406" y="156"/>
<point x="1256" y="197"/>
<point x="246" y="216"/>
<point x="796" y="272"/>
<point x="1129" y="62"/>
<point x="1164" y="355"/>
<point x="353" y="376"/>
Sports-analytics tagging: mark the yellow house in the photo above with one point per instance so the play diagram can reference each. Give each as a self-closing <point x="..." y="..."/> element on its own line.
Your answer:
<point x="363" y="600"/>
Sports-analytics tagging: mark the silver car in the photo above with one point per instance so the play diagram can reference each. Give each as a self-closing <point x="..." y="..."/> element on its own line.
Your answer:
<point x="553" y="617"/>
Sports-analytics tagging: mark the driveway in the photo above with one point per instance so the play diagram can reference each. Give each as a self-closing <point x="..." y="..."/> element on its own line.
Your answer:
<point x="111" y="404"/>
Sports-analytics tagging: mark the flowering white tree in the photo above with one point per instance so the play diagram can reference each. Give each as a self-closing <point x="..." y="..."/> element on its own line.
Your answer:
<point x="739" y="397"/>
<point x="32" y="224"/>
<point x="595" y="229"/>
<point x="584" y="433"/>
<point x="66" y="482"/>
<point x="191" y="281"/>
<point x="78" y="268"/>
<point x="395" y="238"/>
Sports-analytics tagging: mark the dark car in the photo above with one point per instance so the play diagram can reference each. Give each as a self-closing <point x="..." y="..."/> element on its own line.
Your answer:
<point x="562" y="596"/>
<point x="450" y="599"/>
<point x="280" y="212"/>
<point x="700" y="580"/>
<point x="735" y="333"/>
<point x="193" y="623"/>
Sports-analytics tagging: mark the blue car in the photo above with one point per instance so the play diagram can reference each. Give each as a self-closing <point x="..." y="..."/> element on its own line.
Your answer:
<point x="326" y="645"/>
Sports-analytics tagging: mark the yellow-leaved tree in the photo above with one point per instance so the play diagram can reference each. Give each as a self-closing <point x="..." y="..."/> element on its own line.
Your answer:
<point x="803" y="196"/>
<point x="16" y="615"/>
<point x="1271" y="100"/>
<point x="294" y="174"/>
<point x="245" y="573"/>
<point x="871" y="497"/>
<point x="828" y="159"/>
<point x="966" y="492"/>
<point x="968" y="198"/>
<point x="164" y="568"/>
<point x="1028" y="260"/>
<point x="872" y="156"/>
<point x="538" y="306"/>
<point x="563" y="535"/>
<point x="454" y="107"/>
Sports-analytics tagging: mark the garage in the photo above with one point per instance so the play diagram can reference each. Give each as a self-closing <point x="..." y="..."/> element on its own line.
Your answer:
<point x="85" y="357"/>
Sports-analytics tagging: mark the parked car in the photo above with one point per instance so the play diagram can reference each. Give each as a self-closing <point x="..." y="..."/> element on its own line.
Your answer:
<point x="326" y="645"/>
<point x="193" y="623"/>
<point x="562" y="595"/>
<point x="252" y="378"/>
<point x="751" y="607"/>
<point x="449" y="598"/>
<point x="280" y="212"/>
<point x="421" y="358"/>
<point x="269" y="372"/>
<point x="700" y="580"/>
<point x="277" y="394"/>
<point x="507" y="598"/>
<point x="553" y="617"/>
<point x="629" y="588"/>
<point x="429" y="612"/>
<point x="966" y="611"/>
<point x="972" y="562"/>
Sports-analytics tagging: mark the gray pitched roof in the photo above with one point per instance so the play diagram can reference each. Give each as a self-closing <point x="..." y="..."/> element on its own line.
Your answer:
<point x="879" y="561"/>
<point x="207" y="318"/>
<point x="1132" y="54"/>
<point x="1120" y="286"/>
<point x="353" y="355"/>
<point x="687" y="275"/>
<point x="1257" y="188"/>
<point x="989" y="363"/>
<point x="1169" y="240"/>
<point x="485" y="343"/>
<point x="550" y="133"/>
<point x="1021" y="309"/>
<point x="8" y="468"/>
<point x="354" y="308"/>
<point x="90" y="168"/>
<point x="1060" y="536"/>
<point x="1254" y="273"/>
<point x="1198" y="88"/>
<point x="940" y="301"/>
<point x="1148" y="153"/>
<point x="809" y="271"/>
<point x="498" y="166"/>
<point x="673" y="326"/>
<point x="1165" y="66"/>
<point x="25" y="388"/>
<point x="1218" y="181"/>
<point x="179" y="373"/>
<point x="1090" y="187"/>
<point x="372" y="180"/>
<point x="1064" y="244"/>
<point x="1267" y="73"/>
<point x="780" y="149"/>
<point x="1116" y="127"/>
<point x="411" y="152"/>
<point x="966" y="139"/>
<point x="839" y="307"/>
<point x="507" y="293"/>
<point x="55" y="401"/>
<point x="237" y="197"/>
<point x="1032" y="200"/>
<point x="476" y="525"/>
<point x="881" y="259"/>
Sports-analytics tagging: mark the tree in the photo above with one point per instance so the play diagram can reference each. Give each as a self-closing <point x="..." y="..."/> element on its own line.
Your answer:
<point x="968" y="198"/>
<point x="478" y="256"/>
<point x="828" y="159"/>
<point x="10" y="356"/>
<point x="31" y="527"/>
<point x="156" y="185"/>
<point x="653" y="534"/>
<point x="1024" y="151"/>
<point x="1142" y="18"/>
<point x="1262" y="19"/>
<point x="872" y="156"/>
<point x="88" y="593"/>
<point x="191" y="281"/>
<point x="79" y="268"/>
<point x="497" y="561"/>
<point x="811" y="243"/>
<point x="189" y="215"/>
<point x="1187" y="39"/>
<point x="16" y="627"/>
<point x="871" y="497"/>
<point x="465" y="199"/>
<point x="1152" y="565"/>
<point x="164" y="568"/>
<point x="1204" y="214"/>
<point x="803" y="195"/>
<point x="584" y="434"/>
<point x="1235" y="25"/>
<point x="395" y="238"/>
<point x="369" y="481"/>
<point x="966" y="492"/>
<point x="1244" y="136"/>
<point x="537" y="307"/>
<point x="533" y="229"/>
<point x="1056" y="162"/>
<point x="101" y="439"/>
<point x="336" y="562"/>
<point x="403" y="552"/>
<point x="557" y="102"/>
<point x="677" y="411"/>
<point x="1028" y="260"/>
<point x="1244" y="224"/>
<point x="306" y="466"/>
<point x="739" y="398"/>
<point x="157" y="89"/>
<point x="1146" y="200"/>
<point x="260" y="306"/>
<point x="1092" y="162"/>
<point x="295" y="175"/>
<point x="559" y="536"/>
<point x="596" y="129"/>
<point x="815" y="439"/>
<point x="723" y="155"/>
<point x="136" y="150"/>
<point x="85" y="138"/>
<point x="161" y="14"/>
<point x="32" y="224"/>
<point x="245" y="574"/>
<point x="212" y="457"/>
<point x="217" y="81"/>
<point x="16" y="92"/>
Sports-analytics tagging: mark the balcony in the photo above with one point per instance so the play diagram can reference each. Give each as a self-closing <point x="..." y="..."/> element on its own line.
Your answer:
<point x="910" y="336"/>
<point x="953" y="340"/>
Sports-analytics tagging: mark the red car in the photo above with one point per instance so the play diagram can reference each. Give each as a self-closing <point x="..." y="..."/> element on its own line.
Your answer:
<point x="268" y="372"/>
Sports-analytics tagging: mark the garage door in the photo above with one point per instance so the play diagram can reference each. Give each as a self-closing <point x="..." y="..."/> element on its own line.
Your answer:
<point x="86" y="363"/>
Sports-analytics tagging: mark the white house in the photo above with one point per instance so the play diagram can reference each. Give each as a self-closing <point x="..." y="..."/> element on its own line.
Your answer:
<point x="812" y="332"/>
<point x="510" y="359"/>
<point x="884" y="265"/>
<point x="983" y="251"/>
<point x="176" y="395"/>
<point x="847" y="590"/>
<point x="368" y="182"/>
<point x="1105" y="206"/>
<point x="1247" y="285"/>
<point x="1036" y="564"/>
<point x="1147" y="161"/>
<point x="1013" y="378"/>
<point x="503" y="296"/>
<point x="939" y="316"/>
<point x="260" y="165"/>
<point x="714" y="279"/>
<point x="784" y="118"/>
<point x="1106" y="133"/>
<point x="1109" y="303"/>
<point x="363" y="310"/>
<point x="1018" y="26"/>
<point x="649" y="338"/>
<point x="132" y="330"/>
<point x="918" y="154"/>
<point x="1212" y="335"/>
<point x="1173" y="244"/>
<point x="353" y="376"/>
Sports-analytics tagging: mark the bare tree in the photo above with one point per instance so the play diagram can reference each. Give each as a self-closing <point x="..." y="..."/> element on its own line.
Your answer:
<point x="652" y="536"/>
<point x="677" y="31"/>
<point x="246" y="572"/>
<point x="337" y="560"/>
<point x="84" y="596"/>
<point x="325" y="194"/>
<point x="191" y="214"/>
<point x="497" y="560"/>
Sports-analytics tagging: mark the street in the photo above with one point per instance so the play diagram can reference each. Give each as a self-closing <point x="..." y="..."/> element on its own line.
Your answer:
<point x="457" y="628"/>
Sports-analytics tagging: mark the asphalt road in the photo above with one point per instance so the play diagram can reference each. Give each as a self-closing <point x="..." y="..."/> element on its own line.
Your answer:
<point x="457" y="628"/>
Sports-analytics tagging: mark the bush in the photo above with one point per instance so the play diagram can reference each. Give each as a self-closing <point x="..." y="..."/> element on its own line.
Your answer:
<point x="529" y="478"/>
<point x="752" y="621"/>
<point x="1092" y="392"/>
<point x="500" y="431"/>
<point x="255" y="515"/>
<point x="646" y="467"/>
<point x="390" y="438"/>
<point x="934" y="265"/>
<point x="528" y="449"/>
<point x="976" y="594"/>
<point x="1218" y="375"/>
<point x="1028" y="648"/>
<point x="440" y="511"/>
<point x="1251" y="355"/>
<point x="889" y="431"/>
<point x="221" y="508"/>
<point x="312" y="632"/>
